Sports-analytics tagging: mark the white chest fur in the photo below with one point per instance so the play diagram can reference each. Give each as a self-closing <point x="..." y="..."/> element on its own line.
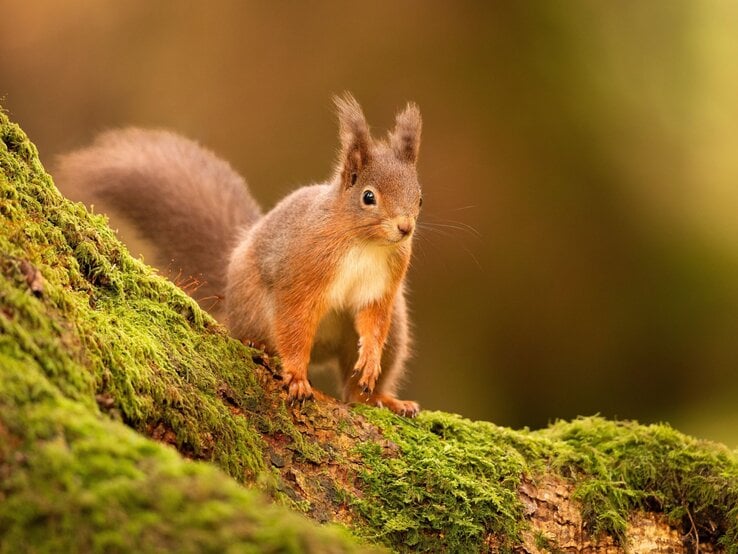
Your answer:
<point x="363" y="275"/>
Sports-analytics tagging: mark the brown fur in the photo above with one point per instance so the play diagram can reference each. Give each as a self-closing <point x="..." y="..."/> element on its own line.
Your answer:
<point x="320" y="273"/>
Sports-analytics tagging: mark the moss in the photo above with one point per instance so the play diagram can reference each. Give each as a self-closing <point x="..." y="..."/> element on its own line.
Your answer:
<point x="72" y="481"/>
<point x="623" y="466"/>
<point x="544" y="544"/>
<point x="101" y="347"/>
<point x="454" y="481"/>
<point x="451" y="484"/>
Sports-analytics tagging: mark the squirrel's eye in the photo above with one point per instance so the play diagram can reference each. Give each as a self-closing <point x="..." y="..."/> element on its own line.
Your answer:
<point x="420" y="202"/>
<point x="368" y="198"/>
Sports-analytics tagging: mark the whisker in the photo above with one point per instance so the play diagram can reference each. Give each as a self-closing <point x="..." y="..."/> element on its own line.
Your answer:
<point x="473" y="257"/>
<point x="458" y="225"/>
<point x="216" y="299"/>
<point x="441" y="232"/>
<point x="419" y="241"/>
<point x="373" y="223"/>
<point x="443" y="229"/>
<point x="423" y="242"/>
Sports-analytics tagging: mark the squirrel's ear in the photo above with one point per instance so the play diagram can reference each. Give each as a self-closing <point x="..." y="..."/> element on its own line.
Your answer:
<point x="405" y="138"/>
<point x="356" y="142"/>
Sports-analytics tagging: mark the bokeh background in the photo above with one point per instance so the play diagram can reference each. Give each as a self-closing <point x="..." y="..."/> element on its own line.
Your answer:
<point x="579" y="160"/>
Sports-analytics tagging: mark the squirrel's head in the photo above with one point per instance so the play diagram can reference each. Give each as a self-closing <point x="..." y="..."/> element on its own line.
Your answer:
<point x="377" y="179"/>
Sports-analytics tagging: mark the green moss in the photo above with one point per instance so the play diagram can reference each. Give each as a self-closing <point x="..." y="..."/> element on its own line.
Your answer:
<point x="106" y="347"/>
<point x="450" y="484"/>
<point x="454" y="481"/>
<point x="73" y="481"/>
<point x="622" y="466"/>
<point x="544" y="544"/>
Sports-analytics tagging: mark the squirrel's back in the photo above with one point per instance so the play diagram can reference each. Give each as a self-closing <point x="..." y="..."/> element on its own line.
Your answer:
<point x="188" y="203"/>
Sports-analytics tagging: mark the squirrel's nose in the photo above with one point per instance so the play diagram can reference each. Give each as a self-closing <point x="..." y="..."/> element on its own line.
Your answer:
<point x="405" y="227"/>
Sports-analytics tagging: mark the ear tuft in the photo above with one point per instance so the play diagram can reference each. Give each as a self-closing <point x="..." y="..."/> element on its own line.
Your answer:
<point x="356" y="141"/>
<point x="405" y="138"/>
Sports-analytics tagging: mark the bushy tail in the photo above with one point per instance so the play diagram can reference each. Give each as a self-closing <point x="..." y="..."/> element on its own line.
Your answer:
<point x="188" y="203"/>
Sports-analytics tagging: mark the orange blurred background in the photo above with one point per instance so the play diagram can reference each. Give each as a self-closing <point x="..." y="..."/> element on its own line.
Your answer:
<point x="579" y="160"/>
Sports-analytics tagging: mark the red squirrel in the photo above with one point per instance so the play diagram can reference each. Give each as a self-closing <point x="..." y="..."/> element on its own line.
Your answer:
<point x="319" y="274"/>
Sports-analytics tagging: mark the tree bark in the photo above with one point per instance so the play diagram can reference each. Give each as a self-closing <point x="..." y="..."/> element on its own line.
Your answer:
<point x="130" y="421"/>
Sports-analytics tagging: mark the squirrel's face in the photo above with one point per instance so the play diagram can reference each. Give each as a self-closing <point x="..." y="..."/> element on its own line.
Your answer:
<point x="378" y="181"/>
<point x="385" y="198"/>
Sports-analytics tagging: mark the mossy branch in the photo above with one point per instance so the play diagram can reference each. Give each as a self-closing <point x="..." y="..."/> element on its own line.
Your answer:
<point x="129" y="421"/>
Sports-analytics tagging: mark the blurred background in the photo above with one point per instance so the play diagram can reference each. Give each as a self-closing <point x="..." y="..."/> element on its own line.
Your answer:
<point x="579" y="163"/>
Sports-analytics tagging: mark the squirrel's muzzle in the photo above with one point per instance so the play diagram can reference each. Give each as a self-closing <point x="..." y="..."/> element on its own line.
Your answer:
<point x="405" y="226"/>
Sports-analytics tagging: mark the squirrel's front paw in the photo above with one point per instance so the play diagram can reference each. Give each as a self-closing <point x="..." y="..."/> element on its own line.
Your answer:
<point x="298" y="388"/>
<point x="369" y="367"/>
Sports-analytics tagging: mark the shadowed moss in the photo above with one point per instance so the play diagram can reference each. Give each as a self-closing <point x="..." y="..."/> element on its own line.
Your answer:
<point x="104" y="343"/>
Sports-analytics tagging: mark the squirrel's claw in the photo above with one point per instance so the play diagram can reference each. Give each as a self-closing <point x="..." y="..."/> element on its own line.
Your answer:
<point x="367" y="383"/>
